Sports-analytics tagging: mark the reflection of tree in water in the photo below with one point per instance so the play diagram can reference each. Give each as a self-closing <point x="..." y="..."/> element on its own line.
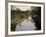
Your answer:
<point x="17" y="17"/>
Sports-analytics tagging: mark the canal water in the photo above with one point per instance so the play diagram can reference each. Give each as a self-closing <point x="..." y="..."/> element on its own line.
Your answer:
<point x="26" y="25"/>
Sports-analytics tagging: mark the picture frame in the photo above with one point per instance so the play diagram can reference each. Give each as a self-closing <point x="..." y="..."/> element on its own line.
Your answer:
<point x="23" y="6"/>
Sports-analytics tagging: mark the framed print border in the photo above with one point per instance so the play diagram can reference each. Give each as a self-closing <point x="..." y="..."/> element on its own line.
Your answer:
<point x="27" y="32"/>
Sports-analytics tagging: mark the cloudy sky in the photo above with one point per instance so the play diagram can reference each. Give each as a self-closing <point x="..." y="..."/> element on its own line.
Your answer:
<point x="21" y="7"/>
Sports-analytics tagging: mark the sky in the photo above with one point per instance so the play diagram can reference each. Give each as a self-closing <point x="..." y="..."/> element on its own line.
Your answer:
<point x="21" y="7"/>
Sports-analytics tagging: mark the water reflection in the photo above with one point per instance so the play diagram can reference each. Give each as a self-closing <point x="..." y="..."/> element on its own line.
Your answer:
<point x="26" y="25"/>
